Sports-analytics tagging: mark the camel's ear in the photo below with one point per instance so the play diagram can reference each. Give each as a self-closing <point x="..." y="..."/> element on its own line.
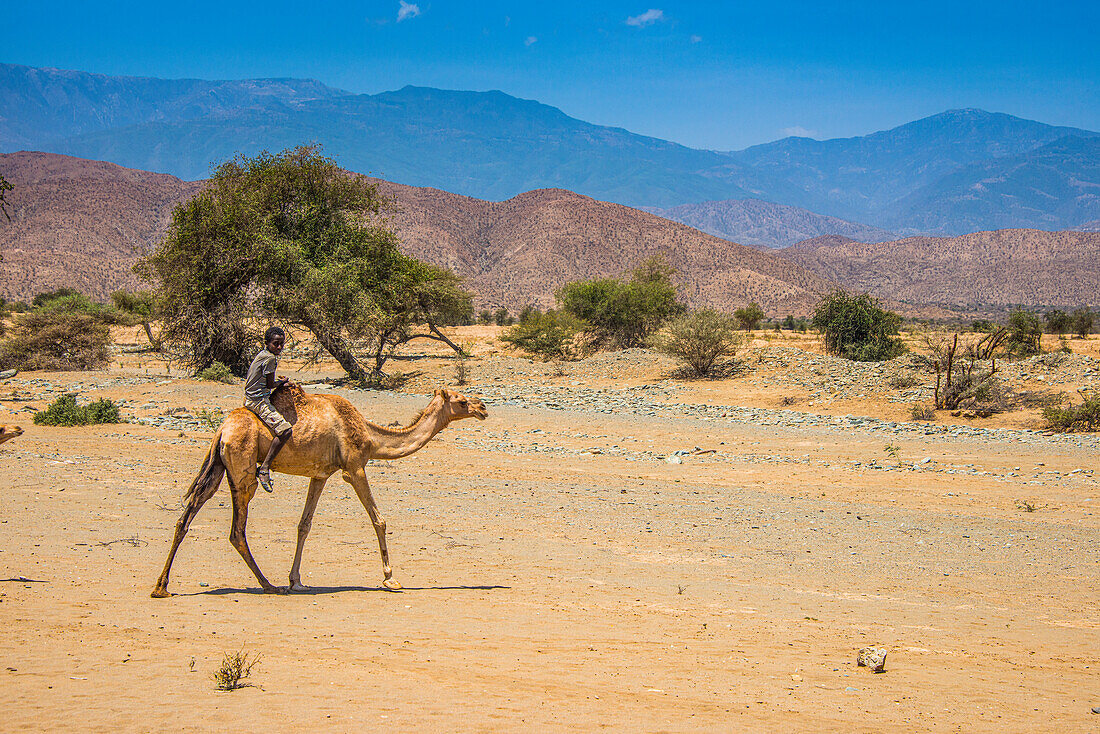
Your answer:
<point x="441" y="393"/>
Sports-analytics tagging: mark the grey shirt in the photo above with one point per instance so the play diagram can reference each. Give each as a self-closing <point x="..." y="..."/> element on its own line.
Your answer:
<point x="255" y="384"/>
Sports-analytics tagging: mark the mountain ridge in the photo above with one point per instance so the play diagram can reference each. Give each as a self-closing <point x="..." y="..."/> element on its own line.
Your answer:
<point x="492" y="145"/>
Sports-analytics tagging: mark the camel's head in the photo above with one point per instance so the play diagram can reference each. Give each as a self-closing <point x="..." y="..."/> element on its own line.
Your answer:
<point x="7" y="433"/>
<point x="458" y="406"/>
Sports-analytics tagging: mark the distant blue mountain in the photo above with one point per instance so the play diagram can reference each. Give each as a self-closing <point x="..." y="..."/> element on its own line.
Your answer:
<point x="919" y="177"/>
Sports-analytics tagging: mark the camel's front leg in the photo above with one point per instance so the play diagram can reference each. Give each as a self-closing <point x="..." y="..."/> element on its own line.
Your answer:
<point x="315" y="487"/>
<point x="358" y="480"/>
<point x="243" y="489"/>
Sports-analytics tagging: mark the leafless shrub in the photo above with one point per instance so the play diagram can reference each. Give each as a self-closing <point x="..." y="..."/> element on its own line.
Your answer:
<point x="961" y="381"/>
<point x="234" y="668"/>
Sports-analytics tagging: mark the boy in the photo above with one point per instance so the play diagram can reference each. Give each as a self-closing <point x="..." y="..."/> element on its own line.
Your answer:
<point x="258" y="386"/>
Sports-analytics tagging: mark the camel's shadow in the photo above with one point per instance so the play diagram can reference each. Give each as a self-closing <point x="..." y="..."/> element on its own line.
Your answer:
<point x="321" y="590"/>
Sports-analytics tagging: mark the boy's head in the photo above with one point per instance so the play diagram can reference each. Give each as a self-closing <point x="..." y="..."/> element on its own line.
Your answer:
<point x="274" y="340"/>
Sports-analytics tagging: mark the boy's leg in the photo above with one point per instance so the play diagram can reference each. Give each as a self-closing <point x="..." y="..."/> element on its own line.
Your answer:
<point x="281" y="433"/>
<point x="264" y="471"/>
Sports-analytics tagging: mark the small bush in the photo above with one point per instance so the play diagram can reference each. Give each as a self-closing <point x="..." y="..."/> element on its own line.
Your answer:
<point x="921" y="412"/>
<point x="1083" y="417"/>
<point x="234" y="668"/>
<point x="66" y="412"/>
<point x="699" y="339"/>
<point x="550" y="335"/>
<point x="217" y="372"/>
<point x="857" y="328"/>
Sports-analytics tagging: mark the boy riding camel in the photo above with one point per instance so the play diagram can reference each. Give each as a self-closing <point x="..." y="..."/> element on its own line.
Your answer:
<point x="258" y="386"/>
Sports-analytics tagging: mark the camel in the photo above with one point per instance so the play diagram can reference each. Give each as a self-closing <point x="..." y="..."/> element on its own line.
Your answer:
<point x="330" y="435"/>
<point x="7" y="433"/>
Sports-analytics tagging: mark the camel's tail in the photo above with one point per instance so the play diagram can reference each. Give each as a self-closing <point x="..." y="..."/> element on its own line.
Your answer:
<point x="210" y="474"/>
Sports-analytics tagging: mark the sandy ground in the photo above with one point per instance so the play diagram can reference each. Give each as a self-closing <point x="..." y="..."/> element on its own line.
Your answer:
<point x="558" y="577"/>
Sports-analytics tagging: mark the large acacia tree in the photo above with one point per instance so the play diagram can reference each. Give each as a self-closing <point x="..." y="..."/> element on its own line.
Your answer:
<point x="294" y="238"/>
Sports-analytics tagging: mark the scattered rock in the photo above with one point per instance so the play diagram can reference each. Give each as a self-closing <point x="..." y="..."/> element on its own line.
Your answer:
<point x="873" y="658"/>
<point x="674" y="459"/>
<point x="8" y="373"/>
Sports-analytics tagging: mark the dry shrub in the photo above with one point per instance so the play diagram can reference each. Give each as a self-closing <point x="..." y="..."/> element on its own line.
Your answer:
<point x="56" y="340"/>
<point x="921" y="412"/>
<point x="233" y="670"/>
<point x="699" y="340"/>
<point x="1083" y="417"/>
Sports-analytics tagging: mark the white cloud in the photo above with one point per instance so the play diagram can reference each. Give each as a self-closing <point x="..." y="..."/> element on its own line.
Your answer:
<point x="799" y="132"/>
<point x="530" y="40"/>
<point x="696" y="39"/>
<point x="407" y="10"/>
<point x="649" y="17"/>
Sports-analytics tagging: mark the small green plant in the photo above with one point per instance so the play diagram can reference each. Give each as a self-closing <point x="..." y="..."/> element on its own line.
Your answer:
<point x="66" y="412"/>
<point x="1027" y="505"/>
<point x="234" y="668"/>
<point x="217" y="372"/>
<point x="1083" y="417"/>
<point x="891" y="451"/>
<point x="211" y="420"/>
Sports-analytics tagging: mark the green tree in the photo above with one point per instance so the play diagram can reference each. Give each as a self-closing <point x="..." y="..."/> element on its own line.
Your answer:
<point x="292" y="237"/>
<point x="750" y="316"/>
<point x="1024" y="333"/>
<point x="624" y="313"/>
<point x="1082" y="321"/>
<point x="858" y="328"/>
<point x="1057" y="321"/>
<point x="699" y="339"/>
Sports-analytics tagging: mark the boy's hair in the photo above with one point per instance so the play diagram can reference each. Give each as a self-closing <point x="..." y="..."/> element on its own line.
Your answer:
<point x="273" y="332"/>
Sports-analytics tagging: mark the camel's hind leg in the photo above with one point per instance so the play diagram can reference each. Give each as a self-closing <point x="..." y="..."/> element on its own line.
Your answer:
<point x="315" y="487"/>
<point x="358" y="480"/>
<point x="243" y="485"/>
<point x="191" y="508"/>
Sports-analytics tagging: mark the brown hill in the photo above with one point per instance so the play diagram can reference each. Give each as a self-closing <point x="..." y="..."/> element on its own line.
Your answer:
<point x="999" y="268"/>
<point x="82" y="224"/>
<point x="521" y="250"/>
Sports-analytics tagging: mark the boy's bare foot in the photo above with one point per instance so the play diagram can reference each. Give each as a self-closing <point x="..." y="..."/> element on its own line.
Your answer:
<point x="264" y="475"/>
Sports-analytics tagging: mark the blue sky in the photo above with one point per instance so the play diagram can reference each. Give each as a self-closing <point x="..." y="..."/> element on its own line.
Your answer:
<point x="714" y="75"/>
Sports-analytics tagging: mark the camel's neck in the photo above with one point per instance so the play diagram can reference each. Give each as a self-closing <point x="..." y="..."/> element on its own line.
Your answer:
<point x="390" y="444"/>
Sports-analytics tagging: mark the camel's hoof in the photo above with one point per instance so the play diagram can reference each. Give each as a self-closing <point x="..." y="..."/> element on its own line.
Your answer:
<point x="161" y="594"/>
<point x="277" y="590"/>
<point x="392" y="584"/>
<point x="298" y="586"/>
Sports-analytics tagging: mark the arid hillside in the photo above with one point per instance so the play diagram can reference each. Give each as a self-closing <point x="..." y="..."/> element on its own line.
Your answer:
<point x="1004" y="267"/>
<point x="521" y="250"/>
<point x="83" y="224"/>
<point x="80" y="223"/>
